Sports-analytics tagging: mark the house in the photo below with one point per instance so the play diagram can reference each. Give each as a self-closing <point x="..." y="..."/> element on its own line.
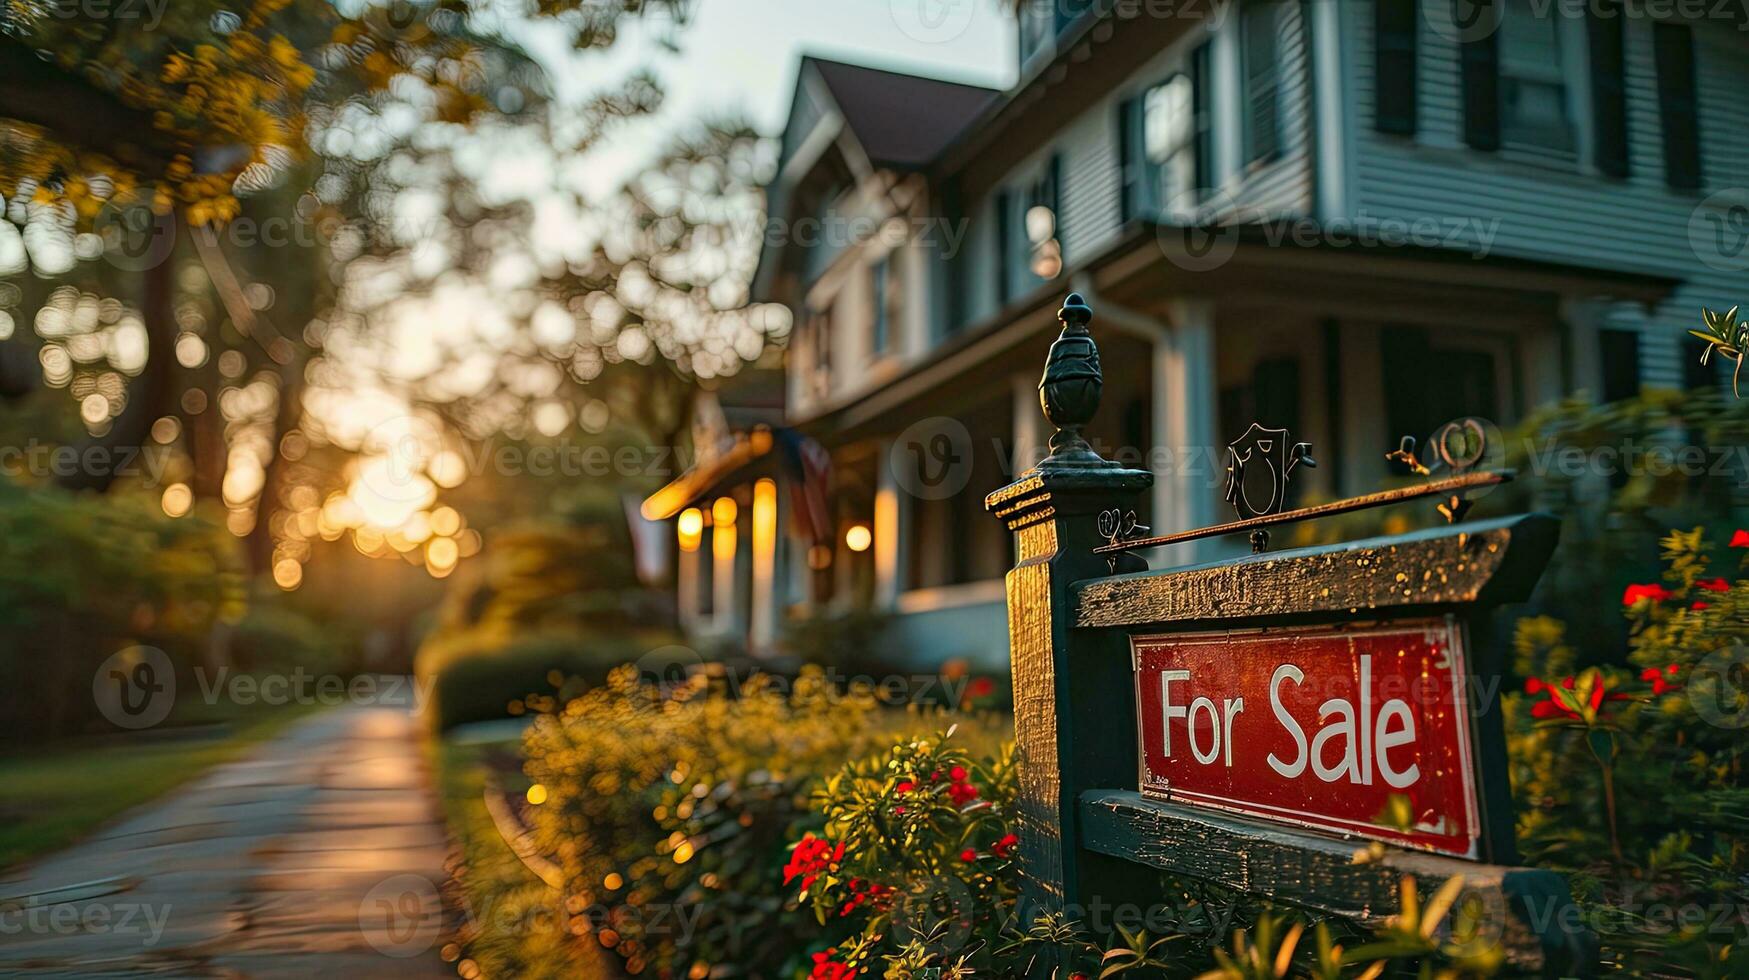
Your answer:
<point x="1353" y="218"/>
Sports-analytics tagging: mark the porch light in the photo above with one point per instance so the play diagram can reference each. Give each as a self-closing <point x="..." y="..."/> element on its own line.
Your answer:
<point x="691" y="528"/>
<point x="858" y="537"/>
<point x="724" y="511"/>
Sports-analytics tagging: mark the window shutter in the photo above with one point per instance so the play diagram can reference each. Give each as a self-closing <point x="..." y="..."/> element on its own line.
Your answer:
<point x="1673" y="52"/>
<point x="1395" y="24"/>
<point x="1204" y="178"/>
<point x="1480" y="59"/>
<point x="1262" y="79"/>
<point x="1129" y="156"/>
<point x="1608" y="87"/>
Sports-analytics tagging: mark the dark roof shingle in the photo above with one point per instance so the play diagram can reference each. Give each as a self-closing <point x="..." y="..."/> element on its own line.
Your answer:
<point x="902" y="121"/>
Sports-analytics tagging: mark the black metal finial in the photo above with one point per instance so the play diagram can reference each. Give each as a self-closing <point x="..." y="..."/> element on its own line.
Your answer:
<point x="1070" y="389"/>
<point x="1262" y="491"/>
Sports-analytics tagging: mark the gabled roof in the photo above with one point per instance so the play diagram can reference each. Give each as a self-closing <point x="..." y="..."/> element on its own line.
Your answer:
<point x="902" y="121"/>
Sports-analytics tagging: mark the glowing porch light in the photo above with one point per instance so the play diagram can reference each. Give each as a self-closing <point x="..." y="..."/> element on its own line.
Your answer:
<point x="691" y="528"/>
<point x="858" y="537"/>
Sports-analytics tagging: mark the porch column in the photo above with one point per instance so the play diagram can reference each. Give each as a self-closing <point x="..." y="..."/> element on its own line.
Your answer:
<point x="724" y="546"/>
<point x="762" y="630"/>
<point x="1188" y="449"/>
<point x="1583" y="317"/>
<point x="892" y="513"/>
<point x="686" y="588"/>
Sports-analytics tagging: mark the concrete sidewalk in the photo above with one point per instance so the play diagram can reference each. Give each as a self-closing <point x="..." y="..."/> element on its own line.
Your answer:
<point x="320" y="853"/>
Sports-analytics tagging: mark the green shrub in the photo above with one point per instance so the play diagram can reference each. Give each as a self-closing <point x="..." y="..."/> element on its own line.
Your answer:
<point x="480" y="676"/>
<point x="274" y="636"/>
<point x="84" y="575"/>
<point x="668" y="810"/>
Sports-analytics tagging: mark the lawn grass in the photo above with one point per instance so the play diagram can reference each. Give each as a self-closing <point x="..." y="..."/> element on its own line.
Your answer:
<point x="514" y="923"/>
<point x="53" y="795"/>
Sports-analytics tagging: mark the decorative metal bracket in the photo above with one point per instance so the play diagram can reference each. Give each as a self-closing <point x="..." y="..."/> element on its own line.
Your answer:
<point x="1260" y="461"/>
<point x="1116" y="527"/>
<point x="1258" y="465"/>
<point x="1458" y="447"/>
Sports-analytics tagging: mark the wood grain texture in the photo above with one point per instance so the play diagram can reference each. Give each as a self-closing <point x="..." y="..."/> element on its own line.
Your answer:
<point x="1521" y="909"/>
<point x="1466" y="565"/>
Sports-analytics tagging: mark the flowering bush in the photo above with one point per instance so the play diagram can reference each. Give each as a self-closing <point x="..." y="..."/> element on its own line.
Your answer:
<point x="667" y="808"/>
<point x="1633" y="777"/>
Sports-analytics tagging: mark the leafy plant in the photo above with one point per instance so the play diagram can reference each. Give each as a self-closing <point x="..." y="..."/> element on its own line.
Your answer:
<point x="1661" y="749"/>
<point x="1725" y="336"/>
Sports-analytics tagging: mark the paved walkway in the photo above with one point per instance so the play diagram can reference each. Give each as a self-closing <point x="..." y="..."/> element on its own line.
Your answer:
<point x="319" y="854"/>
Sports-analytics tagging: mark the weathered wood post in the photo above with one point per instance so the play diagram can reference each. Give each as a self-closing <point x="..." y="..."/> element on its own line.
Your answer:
<point x="1309" y="726"/>
<point x="1068" y="734"/>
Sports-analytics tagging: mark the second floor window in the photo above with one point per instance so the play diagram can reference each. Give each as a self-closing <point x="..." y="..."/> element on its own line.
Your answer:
<point x="1169" y="143"/>
<point x="1533" y="86"/>
<point x="886" y="291"/>
<point x="880" y="336"/>
<point x="1261" y="26"/>
<point x="1044" y="250"/>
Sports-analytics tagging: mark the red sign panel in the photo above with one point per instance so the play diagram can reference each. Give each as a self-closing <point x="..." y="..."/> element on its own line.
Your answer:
<point x="1318" y="728"/>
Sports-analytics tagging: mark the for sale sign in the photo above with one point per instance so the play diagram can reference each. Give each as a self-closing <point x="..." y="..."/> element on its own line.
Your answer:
<point x="1317" y="728"/>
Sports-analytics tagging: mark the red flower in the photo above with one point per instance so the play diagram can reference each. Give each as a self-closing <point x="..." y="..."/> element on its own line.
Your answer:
<point x="1004" y="847"/>
<point x="1657" y="678"/>
<point x="1740" y="539"/>
<point x="962" y="793"/>
<point x="1635" y="593"/>
<point x="825" y="969"/>
<point x="957" y="774"/>
<point x="1713" y="585"/>
<point x="1701" y="605"/>
<point x="1533" y="685"/>
<point x="980" y="687"/>
<point x="811" y="857"/>
<point x="905" y="786"/>
<point x="968" y="855"/>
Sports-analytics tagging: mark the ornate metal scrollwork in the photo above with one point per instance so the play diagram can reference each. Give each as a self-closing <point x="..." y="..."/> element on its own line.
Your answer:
<point x="1459" y="446"/>
<point x="1258" y="466"/>
<point x="1117" y="526"/>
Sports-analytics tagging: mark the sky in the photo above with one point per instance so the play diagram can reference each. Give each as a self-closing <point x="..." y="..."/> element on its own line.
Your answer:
<point x="740" y="57"/>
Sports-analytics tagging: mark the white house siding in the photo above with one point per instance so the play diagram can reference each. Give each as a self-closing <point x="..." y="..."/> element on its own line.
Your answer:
<point x="1635" y="225"/>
